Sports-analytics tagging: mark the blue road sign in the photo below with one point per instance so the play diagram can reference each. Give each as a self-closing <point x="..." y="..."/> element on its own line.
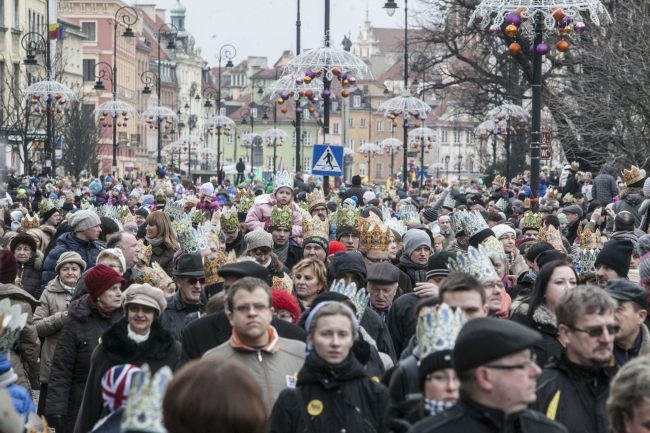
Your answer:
<point x="327" y="160"/>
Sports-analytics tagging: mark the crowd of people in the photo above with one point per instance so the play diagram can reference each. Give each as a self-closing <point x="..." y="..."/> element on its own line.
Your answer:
<point x="161" y="305"/>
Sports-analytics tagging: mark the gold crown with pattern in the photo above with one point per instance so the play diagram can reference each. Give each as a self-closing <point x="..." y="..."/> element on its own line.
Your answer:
<point x="315" y="199"/>
<point x="313" y="227"/>
<point x="281" y="217"/>
<point x="347" y="216"/>
<point x="213" y="262"/>
<point x="374" y="237"/>
<point x="531" y="221"/>
<point x="633" y="175"/>
<point x="144" y="252"/>
<point x="228" y="219"/>
<point x="46" y="205"/>
<point x="30" y="222"/>
<point x="243" y="194"/>
<point x="588" y="239"/>
<point x="155" y="276"/>
<point x="499" y="180"/>
<point x="284" y="283"/>
<point x="551" y="235"/>
<point x="568" y="198"/>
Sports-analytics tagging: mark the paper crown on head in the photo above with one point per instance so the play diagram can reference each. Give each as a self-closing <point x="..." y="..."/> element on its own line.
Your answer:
<point x="551" y="235"/>
<point x="449" y="202"/>
<point x="531" y="221"/>
<point x="358" y="297"/>
<point x="155" y="276"/>
<point x="409" y="214"/>
<point x="526" y="203"/>
<point x="315" y="199"/>
<point x="499" y="180"/>
<point x="283" y="179"/>
<point x="374" y="236"/>
<point x="281" y="217"/>
<point x="501" y="204"/>
<point x="472" y="222"/>
<point x="284" y="283"/>
<point x="190" y="239"/>
<point x="455" y="219"/>
<point x="313" y="227"/>
<point x="568" y="198"/>
<point x="551" y="194"/>
<point x="30" y="222"/>
<point x="633" y="175"/>
<point x="213" y="262"/>
<point x="175" y="209"/>
<point x="575" y="166"/>
<point x="437" y="329"/>
<point x="144" y="252"/>
<point x="397" y="225"/>
<point x="228" y="219"/>
<point x="12" y="321"/>
<point x="46" y="205"/>
<point x="347" y="216"/>
<point x="589" y="240"/>
<point x="586" y="264"/>
<point x="143" y="410"/>
<point x="476" y="262"/>
<point x="246" y="203"/>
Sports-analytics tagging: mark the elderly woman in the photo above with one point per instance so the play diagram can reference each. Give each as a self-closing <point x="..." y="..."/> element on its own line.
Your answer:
<point x="52" y="313"/>
<point x="162" y="238"/>
<point x="137" y="339"/>
<point x="88" y="318"/>
<point x="309" y="280"/>
<point x="628" y="405"/>
<point x="333" y="391"/>
<point x="30" y="263"/>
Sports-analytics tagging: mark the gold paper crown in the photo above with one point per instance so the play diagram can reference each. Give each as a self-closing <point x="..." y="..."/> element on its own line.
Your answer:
<point x="129" y="219"/>
<point x="499" y="180"/>
<point x="589" y="240"/>
<point x="313" y="227"/>
<point x="531" y="221"/>
<point x="46" y="205"/>
<point x="30" y="222"/>
<point x="374" y="236"/>
<point x="284" y="283"/>
<point x="551" y="194"/>
<point x="575" y="166"/>
<point x="281" y="217"/>
<point x="633" y="175"/>
<point x="144" y="252"/>
<point x="551" y="235"/>
<point x="315" y="199"/>
<point x="155" y="276"/>
<point x="243" y="194"/>
<point x="229" y="220"/>
<point x="212" y="263"/>
<point x="568" y="198"/>
<point x="347" y="216"/>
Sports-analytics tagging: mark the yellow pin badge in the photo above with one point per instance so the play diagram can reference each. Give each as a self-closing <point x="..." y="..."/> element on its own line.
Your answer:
<point x="315" y="407"/>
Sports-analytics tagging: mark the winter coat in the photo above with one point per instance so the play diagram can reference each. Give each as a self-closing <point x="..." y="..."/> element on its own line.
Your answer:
<point x="159" y="350"/>
<point x="238" y="245"/>
<point x="173" y="318"/>
<point x="571" y="186"/>
<point x="543" y="321"/>
<point x="378" y="330"/>
<point x="30" y="274"/>
<point x="259" y="215"/>
<point x="71" y="361"/>
<point x="88" y="250"/>
<point x="49" y="318"/>
<point x="24" y="354"/>
<point x="404" y="387"/>
<point x="605" y="187"/>
<point x="640" y="348"/>
<point x="273" y="367"/>
<point x="49" y="231"/>
<point x="213" y="330"/>
<point x="644" y="213"/>
<point x="575" y="396"/>
<point x="331" y="398"/>
<point x="402" y="320"/>
<point x="163" y="255"/>
<point x="631" y="199"/>
<point x="468" y="416"/>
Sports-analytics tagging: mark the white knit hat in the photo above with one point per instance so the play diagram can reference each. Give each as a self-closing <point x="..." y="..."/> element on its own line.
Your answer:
<point x="502" y="229"/>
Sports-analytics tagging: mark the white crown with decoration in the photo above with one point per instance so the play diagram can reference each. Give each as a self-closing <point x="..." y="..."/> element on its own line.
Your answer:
<point x="12" y="321"/>
<point x="358" y="297"/>
<point x="476" y="262"/>
<point x="437" y="329"/>
<point x="283" y="179"/>
<point x="143" y="410"/>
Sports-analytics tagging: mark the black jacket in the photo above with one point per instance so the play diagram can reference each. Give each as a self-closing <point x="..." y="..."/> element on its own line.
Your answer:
<point x="402" y="320"/>
<point x="355" y="191"/>
<point x="468" y="416"/>
<point x="159" y="350"/>
<point x="238" y="245"/>
<point x="173" y="318"/>
<point x="71" y="360"/>
<point x="163" y="255"/>
<point x="212" y="330"/>
<point x="30" y="275"/>
<point x="543" y="321"/>
<point x="575" y="396"/>
<point x="331" y="398"/>
<point x="378" y="330"/>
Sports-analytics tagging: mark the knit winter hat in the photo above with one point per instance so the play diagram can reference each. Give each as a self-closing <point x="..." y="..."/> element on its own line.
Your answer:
<point x="616" y="254"/>
<point x="430" y="214"/>
<point x="433" y="362"/>
<point x="23" y="238"/>
<point x="502" y="229"/>
<point x="101" y="278"/>
<point x="83" y="220"/>
<point x="643" y="246"/>
<point x="336" y="247"/>
<point x="70" y="257"/>
<point x="8" y="267"/>
<point x="258" y="238"/>
<point x="113" y="253"/>
<point x="283" y="300"/>
<point x="116" y="385"/>
<point x="646" y="188"/>
<point x="415" y="238"/>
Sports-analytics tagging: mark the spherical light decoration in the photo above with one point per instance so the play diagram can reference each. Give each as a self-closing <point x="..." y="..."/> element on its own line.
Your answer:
<point x="579" y="26"/>
<point x="326" y="93"/>
<point x="345" y="93"/>
<point x="562" y="46"/>
<point x="514" y="49"/>
<point x="542" y="49"/>
<point x="514" y="19"/>
<point x="558" y="14"/>
<point x="494" y="30"/>
<point x="511" y="30"/>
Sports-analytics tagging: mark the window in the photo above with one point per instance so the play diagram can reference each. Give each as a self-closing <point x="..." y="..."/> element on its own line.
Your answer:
<point x="356" y="101"/>
<point x="306" y="138"/>
<point x="362" y="123"/>
<point x="16" y="22"/>
<point x="350" y="122"/>
<point x="335" y="128"/>
<point x="445" y="139"/>
<point x="269" y="162"/>
<point x="222" y="111"/>
<point x="293" y="138"/>
<point x="456" y="136"/>
<point x="378" y="170"/>
<point x="229" y="138"/>
<point x="88" y="28"/>
<point x="306" y="162"/>
<point x="16" y="79"/>
<point x="362" y="142"/>
<point x="89" y="69"/>
<point x="362" y="170"/>
<point x="379" y="125"/>
<point x="468" y="138"/>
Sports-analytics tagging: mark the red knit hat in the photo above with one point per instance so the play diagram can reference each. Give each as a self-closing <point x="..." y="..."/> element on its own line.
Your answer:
<point x="8" y="267"/>
<point x="335" y="247"/>
<point x="101" y="278"/>
<point x="283" y="300"/>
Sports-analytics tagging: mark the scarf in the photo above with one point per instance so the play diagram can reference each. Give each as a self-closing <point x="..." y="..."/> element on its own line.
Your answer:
<point x="434" y="407"/>
<point x="155" y="241"/>
<point x="417" y="273"/>
<point x="137" y="337"/>
<point x="67" y="288"/>
<point x="282" y="252"/>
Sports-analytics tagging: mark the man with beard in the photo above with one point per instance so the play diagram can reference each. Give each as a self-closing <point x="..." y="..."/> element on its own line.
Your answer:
<point x="574" y="389"/>
<point x="232" y="234"/>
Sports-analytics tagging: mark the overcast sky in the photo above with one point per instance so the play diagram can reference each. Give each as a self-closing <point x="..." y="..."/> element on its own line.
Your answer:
<point x="267" y="27"/>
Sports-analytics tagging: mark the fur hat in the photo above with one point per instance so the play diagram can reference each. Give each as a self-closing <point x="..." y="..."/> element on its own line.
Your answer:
<point x="23" y="238"/>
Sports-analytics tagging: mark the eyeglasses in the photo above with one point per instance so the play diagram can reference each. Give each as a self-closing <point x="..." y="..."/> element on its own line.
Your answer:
<point x="522" y="366"/>
<point x="245" y="308"/>
<point x="193" y="280"/>
<point x="597" y="331"/>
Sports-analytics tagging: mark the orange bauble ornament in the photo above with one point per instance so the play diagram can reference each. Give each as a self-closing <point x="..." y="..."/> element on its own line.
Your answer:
<point x="514" y="49"/>
<point x="562" y="46"/>
<point x="511" y="30"/>
<point x="558" y="14"/>
<point x="345" y="93"/>
<point x="283" y="110"/>
<point x="309" y="93"/>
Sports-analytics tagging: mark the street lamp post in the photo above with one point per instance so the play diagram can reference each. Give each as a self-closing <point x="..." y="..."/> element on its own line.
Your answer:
<point x="298" y="121"/>
<point x="228" y="52"/>
<point x="460" y="163"/>
<point x="447" y="158"/>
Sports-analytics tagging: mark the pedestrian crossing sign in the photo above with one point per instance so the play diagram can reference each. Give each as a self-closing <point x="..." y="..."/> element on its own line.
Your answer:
<point x="327" y="160"/>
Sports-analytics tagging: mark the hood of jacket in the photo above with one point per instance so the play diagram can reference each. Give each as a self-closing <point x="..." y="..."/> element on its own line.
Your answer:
<point x="14" y="292"/>
<point x="633" y="196"/>
<point x="119" y="346"/>
<point x="607" y="169"/>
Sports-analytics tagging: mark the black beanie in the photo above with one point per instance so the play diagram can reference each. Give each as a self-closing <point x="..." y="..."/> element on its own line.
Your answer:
<point x="433" y="362"/>
<point x="616" y="254"/>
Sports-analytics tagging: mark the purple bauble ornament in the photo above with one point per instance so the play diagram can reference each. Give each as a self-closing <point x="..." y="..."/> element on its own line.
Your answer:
<point x="565" y="21"/>
<point x="299" y="110"/>
<point x="310" y="73"/>
<point x="284" y="95"/>
<point x="352" y="80"/>
<point x="542" y="49"/>
<point x="514" y="19"/>
<point x="299" y="81"/>
<point x="343" y="76"/>
<point x="406" y="123"/>
<point x="579" y="27"/>
<point x="326" y="93"/>
<point x="494" y="30"/>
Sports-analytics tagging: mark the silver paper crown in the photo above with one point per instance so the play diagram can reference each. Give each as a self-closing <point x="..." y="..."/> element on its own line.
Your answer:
<point x="472" y="222"/>
<point x="437" y="329"/>
<point x="110" y="211"/>
<point x="358" y="297"/>
<point x="449" y="202"/>
<point x="455" y="219"/>
<point x="12" y="321"/>
<point x="397" y="225"/>
<point x="283" y="178"/>
<point x="476" y="262"/>
<point x="501" y="204"/>
<point x="189" y="238"/>
<point x="175" y="209"/>
<point x="586" y="263"/>
<point x="409" y="214"/>
<point x="143" y="410"/>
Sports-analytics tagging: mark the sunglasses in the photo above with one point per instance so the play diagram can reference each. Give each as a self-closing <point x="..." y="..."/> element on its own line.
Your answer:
<point x="193" y="280"/>
<point x="597" y="331"/>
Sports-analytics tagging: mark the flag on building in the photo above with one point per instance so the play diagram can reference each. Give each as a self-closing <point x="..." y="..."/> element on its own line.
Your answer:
<point x="53" y="33"/>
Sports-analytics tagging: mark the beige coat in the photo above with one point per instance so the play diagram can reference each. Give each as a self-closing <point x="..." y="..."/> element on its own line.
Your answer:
<point x="49" y="318"/>
<point x="24" y="360"/>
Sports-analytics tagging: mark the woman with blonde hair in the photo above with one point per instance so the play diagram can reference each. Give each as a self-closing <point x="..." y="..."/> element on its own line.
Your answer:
<point x="162" y="238"/>
<point x="309" y="280"/>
